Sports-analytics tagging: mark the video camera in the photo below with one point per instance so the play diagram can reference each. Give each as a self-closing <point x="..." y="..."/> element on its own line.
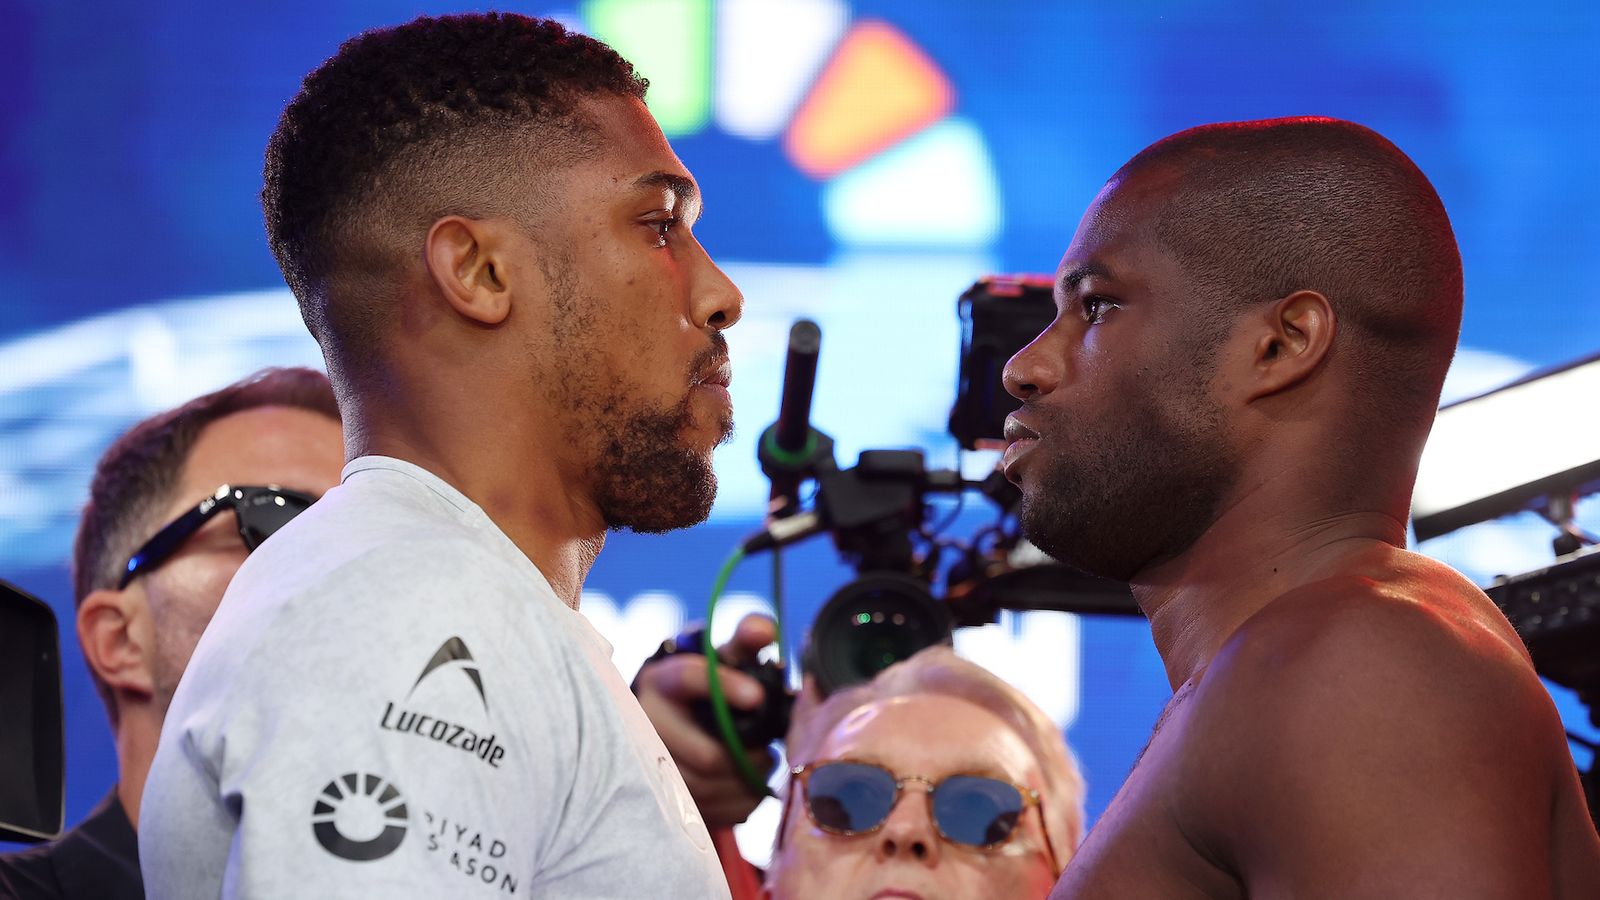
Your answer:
<point x="1531" y="445"/>
<point x="32" y="780"/>
<point x="914" y="586"/>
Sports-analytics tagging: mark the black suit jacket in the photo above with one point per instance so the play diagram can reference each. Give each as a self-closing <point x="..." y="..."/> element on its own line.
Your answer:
<point x="98" y="860"/>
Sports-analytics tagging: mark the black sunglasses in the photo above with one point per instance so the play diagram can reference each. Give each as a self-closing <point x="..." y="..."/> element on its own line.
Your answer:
<point x="260" y="512"/>
<point x="851" y="798"/>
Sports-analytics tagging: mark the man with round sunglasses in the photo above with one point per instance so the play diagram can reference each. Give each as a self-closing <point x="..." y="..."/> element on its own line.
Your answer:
<point x="175" y="506"/>
<point x="934" y="780"/>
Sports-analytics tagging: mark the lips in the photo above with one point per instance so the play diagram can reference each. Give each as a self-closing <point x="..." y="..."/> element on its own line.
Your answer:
<point x="711" y="382"/>
<point x="1021" y="440"/>
<point x="719" y="374"/>
<point x="1016" y="431"/>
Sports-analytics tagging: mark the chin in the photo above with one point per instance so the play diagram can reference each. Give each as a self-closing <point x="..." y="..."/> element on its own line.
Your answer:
<point x="1075" y="548"/>
<point x="667" y="507"/>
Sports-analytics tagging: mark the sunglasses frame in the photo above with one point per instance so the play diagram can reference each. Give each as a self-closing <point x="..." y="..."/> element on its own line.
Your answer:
<point x="172" y="536"/>
<point x="1030" y="797"/>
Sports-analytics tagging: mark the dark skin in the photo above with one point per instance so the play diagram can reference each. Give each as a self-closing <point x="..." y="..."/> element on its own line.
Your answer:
<point x="516" y="344"/>
<point x="1349" y="719"/>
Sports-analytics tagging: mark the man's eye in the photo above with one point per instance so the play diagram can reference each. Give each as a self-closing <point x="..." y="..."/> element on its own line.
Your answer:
<point x="1095" y="309"/>
<point x="663" y="228"/>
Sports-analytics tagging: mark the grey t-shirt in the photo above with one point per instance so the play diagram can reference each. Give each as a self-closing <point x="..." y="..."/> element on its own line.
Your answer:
<point x="392" y="702"/>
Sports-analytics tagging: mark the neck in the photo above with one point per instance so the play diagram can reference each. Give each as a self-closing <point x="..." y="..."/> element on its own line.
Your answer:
<point x="496" y="462"/>
<point x="1274" y="537"/>
<point x="137" y="737"/>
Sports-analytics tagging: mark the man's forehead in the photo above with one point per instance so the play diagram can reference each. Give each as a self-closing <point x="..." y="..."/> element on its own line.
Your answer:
<point x="632" y="148"/>
<point x="289" y="446"/>
<point x="1122" y="209"/>
<point x="876" y="732"/>
<point x="1116" y="239"/>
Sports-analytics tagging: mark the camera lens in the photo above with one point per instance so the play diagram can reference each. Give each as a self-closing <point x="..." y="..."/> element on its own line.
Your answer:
<point x="869" y="625"/>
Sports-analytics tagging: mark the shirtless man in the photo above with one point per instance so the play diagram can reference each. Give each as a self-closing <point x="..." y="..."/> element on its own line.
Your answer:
<point x="1254" y="323"/>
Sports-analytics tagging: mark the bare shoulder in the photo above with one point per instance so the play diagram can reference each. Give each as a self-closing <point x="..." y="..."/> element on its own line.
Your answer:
<point x="1387" y="722"/>
<point x="1414" y="632"/>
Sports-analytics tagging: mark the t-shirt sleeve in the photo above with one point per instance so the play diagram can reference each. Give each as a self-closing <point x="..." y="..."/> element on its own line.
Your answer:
<point x="363" y="747"/>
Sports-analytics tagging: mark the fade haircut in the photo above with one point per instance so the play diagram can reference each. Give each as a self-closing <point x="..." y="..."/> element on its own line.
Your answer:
<point x="938" y="672"/>
<point x="403" y="126"/>
<point x="135" y="479"/>
<point x="1255" y="211"/>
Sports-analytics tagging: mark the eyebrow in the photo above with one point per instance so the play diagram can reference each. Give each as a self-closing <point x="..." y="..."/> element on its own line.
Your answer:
<point x="686" y="192"/>
<point x="963" y="766"/>
<point x="1070" y="280"/>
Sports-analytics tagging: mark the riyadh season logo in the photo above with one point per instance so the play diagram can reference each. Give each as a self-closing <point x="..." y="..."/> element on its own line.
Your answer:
<point x="470" y="852"/>
<point x="452" y="654"/>
<point x="359" y="817"/>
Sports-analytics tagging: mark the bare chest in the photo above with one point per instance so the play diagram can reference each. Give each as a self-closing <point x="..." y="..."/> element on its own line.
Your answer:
<point x="1138" y="848"/>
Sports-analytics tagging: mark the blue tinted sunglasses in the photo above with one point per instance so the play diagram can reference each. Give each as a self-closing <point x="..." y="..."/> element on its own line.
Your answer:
<point x="850" y="798"/>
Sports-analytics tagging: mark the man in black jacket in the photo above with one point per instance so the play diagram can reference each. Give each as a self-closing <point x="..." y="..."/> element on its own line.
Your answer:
<point x="175" y="506"/>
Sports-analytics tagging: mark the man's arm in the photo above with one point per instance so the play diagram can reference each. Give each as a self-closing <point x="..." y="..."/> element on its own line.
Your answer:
<point x="1374" y="749"/>
<point x="351" y="754"/>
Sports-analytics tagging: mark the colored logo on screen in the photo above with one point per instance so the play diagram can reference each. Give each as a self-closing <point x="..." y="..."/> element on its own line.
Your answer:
<point x="856" y="105"/>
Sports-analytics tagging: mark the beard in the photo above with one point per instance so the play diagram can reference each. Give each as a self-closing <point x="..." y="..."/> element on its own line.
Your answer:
<point x="644" y="475"/>
<point x="646" y="478"/>
<point x="1116" y="497"/>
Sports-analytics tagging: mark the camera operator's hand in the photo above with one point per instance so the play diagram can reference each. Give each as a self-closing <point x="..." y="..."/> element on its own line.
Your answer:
<point x="666" y="688"/>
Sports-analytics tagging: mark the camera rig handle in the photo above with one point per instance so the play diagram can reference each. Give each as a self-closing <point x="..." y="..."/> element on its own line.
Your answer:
<point x="873" y="508"/>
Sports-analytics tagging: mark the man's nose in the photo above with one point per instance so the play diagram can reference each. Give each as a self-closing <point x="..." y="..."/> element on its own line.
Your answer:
<point x="909" y="833"/>
<point x="1034" y="370"/>
<point x="717" y="302"/>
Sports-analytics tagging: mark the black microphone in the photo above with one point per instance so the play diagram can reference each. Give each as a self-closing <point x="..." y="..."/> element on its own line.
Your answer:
<point x="799" y="382"/>
<point x="789" y="448"/>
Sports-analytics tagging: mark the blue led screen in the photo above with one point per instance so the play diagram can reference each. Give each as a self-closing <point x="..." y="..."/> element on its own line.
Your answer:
<point x="134" y="272"/>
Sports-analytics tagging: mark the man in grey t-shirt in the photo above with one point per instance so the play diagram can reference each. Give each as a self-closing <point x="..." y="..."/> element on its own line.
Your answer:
<point x="490" y="238"/>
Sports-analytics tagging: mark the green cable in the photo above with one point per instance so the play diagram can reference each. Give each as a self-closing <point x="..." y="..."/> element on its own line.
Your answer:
<point x="719" y="702"/>
<point x="777" y="603"/>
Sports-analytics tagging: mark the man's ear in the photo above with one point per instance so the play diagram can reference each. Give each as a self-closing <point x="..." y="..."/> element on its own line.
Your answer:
<point x="467" y="261"/>
<point x="115" y="632"/>
<point x="1295" y="336"/>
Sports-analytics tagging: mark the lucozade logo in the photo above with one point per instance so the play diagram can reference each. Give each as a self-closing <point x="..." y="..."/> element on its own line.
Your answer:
<point x="453" y="653"/>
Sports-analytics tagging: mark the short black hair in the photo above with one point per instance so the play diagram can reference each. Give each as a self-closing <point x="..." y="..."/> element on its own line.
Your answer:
<point x="405" y="125"/>
<point x="135" y="478"/>
<point x="1258" y="210"/>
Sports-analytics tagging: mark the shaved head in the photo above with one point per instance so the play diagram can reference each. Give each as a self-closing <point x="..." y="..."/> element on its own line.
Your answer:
<point x="1255" y="211"/>
<point x="1154" y="396"/>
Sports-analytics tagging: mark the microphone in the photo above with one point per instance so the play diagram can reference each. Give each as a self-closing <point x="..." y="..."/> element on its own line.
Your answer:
<point x="790" y="448"/>
<point x="799" y="382"/>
